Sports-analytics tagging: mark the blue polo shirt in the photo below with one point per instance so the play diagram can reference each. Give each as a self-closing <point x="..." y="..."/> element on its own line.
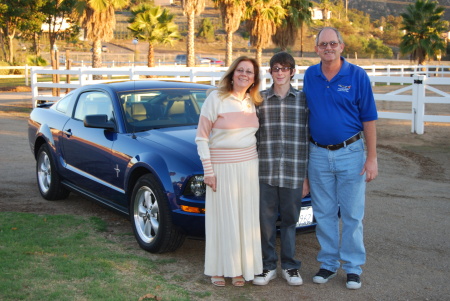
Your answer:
<point x="340" y="106"/>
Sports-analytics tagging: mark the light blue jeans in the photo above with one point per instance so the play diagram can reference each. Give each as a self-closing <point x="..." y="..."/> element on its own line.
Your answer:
<point x="336" y="185"/>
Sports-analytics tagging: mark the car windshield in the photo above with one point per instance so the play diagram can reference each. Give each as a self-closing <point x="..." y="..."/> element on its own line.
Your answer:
<point x="159" y="108"/>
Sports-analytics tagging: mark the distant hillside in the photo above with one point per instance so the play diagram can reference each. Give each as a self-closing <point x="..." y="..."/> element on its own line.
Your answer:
<point x="380" y="8"/>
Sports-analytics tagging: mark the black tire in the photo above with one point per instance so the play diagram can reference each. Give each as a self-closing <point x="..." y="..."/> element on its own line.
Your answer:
<point x="48" y="180"/>
<point x="151" y="219"/>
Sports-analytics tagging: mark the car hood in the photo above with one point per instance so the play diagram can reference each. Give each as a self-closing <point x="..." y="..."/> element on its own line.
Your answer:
<point x="180" y="140"/>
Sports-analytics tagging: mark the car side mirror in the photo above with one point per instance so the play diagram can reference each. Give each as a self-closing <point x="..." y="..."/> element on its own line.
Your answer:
<point x="99" y="121"/>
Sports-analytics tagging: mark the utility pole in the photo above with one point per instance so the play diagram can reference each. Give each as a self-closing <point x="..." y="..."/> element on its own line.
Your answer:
<point x="346" y="8"/>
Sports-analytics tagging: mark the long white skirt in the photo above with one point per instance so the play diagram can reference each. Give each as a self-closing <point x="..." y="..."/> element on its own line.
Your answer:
<point x="233" y="237"/>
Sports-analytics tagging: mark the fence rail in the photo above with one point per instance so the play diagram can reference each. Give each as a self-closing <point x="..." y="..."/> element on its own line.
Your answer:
<point x="417" y="85"/>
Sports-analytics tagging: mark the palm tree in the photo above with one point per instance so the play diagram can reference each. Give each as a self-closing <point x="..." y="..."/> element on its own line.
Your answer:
<point x="153" y="25"/>
<point x="325" y="5"/>
<point x="424" y="27"/>
<point x="98" y="21"/>
<point x="231" y="12"/>
<point x="298" y="14"/>
<point x="263" y="17"/>
<point x="191" y="8"/>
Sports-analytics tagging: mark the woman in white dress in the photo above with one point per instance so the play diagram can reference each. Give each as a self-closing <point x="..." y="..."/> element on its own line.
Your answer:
<point x="227" y="147"/>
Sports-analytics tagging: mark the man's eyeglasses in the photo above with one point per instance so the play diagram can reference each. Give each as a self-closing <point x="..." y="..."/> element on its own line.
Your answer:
<point x="242" y="71"/>
<point x="325" y="44"/>
<point x="283" y="69"/>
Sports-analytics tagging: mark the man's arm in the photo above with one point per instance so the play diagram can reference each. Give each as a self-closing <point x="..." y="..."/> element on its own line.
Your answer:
<point x="371" y="164"/>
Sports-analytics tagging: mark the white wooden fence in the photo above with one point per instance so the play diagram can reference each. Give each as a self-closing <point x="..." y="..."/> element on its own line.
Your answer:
<point x="417" y="85"/>
<point x="26" y="72"/>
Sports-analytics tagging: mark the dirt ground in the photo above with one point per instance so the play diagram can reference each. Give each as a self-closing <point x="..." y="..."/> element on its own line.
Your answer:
<point x="407" y="224"/>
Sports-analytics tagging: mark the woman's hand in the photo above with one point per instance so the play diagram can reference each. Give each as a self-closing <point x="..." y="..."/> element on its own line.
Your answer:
<point x="211" y="182"/>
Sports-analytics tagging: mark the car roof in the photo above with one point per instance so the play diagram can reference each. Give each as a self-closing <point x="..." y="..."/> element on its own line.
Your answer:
<point x="133" y="85"/>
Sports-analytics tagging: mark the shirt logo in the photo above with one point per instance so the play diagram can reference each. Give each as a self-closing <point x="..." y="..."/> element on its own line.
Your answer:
<point x="343" y="88"/>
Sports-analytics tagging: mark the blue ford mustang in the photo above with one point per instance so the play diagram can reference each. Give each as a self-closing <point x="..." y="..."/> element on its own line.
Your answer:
<point x="130" y="146"/>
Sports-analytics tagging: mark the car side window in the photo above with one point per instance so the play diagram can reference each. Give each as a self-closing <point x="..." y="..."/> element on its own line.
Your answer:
<point x="63" y="104"/>
<point x="93" y="103"/>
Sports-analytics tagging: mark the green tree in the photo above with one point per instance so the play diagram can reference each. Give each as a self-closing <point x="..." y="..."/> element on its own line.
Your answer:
<point x="388" y="29"/>
<point x="263" y="17"/>
<point x="98" y="21"/>
<point x="339" y="11"/>
<point x="359" y="46"/>
<point x="12" y="17"/>
<point x="298" y="13"/>
<point x="375" y="48"/>
<point x="344" y="27"/>
<point x="54" y="12"/>
<point x="424" y="26"/>
<point x="392" y="33"/>
<point x="354" y="45"/>
<point x="33" y="60"/>
<point x="191" y="8"/>
<point x="360" y="21"/>
<point x="3" y="9"/>
<point x="206" y="30"/>
<point x="231" y="12"/>
<point x="155" y="26"/>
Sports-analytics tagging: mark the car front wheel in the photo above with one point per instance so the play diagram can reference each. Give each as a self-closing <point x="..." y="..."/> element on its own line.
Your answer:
<point x="49" y="182"/>
<point x="151" y="219"/>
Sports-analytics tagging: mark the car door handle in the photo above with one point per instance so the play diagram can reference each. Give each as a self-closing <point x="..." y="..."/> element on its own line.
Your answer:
<point x="68" y="133"/>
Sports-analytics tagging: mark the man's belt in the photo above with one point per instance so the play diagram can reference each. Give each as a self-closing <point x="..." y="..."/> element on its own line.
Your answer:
<point x="333" y="147"/>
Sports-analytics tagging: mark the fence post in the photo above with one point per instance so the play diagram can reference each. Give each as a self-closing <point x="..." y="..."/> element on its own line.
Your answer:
<point x="192" y="75"/>
<point x="389" y="73"/>
<point x="418" y="104"/>
<point x="131" y="69"/>
<point x="26" y="75"/>
<point x="68" y="67"/>
<point x="373" y="73"/>
<point x="262" y="85"/>
<point x="34" y="87"/>
<point x="81" y="77"/>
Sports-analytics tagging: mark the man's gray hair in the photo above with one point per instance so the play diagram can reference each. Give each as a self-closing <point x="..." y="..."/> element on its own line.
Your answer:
<point x="340" y="39"/>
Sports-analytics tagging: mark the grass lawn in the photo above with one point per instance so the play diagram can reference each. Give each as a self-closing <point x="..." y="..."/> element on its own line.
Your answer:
<point x="64" y="257"/>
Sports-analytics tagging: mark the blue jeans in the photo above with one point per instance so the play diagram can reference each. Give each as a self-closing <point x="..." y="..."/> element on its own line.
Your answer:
<point x="288" y="203"/>
<point x="336" y="185"/>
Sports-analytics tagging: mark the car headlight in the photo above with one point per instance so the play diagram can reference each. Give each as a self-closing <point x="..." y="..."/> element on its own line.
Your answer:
<point x="196" y="186"/>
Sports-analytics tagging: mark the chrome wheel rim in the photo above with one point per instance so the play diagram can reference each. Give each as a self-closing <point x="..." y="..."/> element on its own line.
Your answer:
<point x="146" y="214"/>
<point x="44" y="172"/>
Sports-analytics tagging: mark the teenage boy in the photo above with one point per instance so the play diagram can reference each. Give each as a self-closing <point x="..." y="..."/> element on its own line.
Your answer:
<point x="283" y="140"/>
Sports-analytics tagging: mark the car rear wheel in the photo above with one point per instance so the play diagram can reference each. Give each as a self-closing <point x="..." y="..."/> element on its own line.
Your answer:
<point x="48" y="180"/>
<point x="151" y="219"/>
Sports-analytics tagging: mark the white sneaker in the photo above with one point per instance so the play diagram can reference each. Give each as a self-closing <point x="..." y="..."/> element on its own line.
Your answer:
<point x="265" y="277"/>
<point x="292" y="276"/>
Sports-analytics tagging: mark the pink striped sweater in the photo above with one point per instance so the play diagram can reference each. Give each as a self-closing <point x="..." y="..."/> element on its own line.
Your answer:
<point x="226" y="131"/>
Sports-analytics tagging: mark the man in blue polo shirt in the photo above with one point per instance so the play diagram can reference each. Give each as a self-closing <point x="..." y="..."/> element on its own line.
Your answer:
<point x="342" y="115"/>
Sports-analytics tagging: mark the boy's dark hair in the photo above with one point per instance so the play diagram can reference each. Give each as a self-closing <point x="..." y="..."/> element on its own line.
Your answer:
<point x="283" y="58"/>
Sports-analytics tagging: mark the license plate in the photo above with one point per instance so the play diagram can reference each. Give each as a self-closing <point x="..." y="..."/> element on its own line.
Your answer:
<point x="306" y="216"/>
